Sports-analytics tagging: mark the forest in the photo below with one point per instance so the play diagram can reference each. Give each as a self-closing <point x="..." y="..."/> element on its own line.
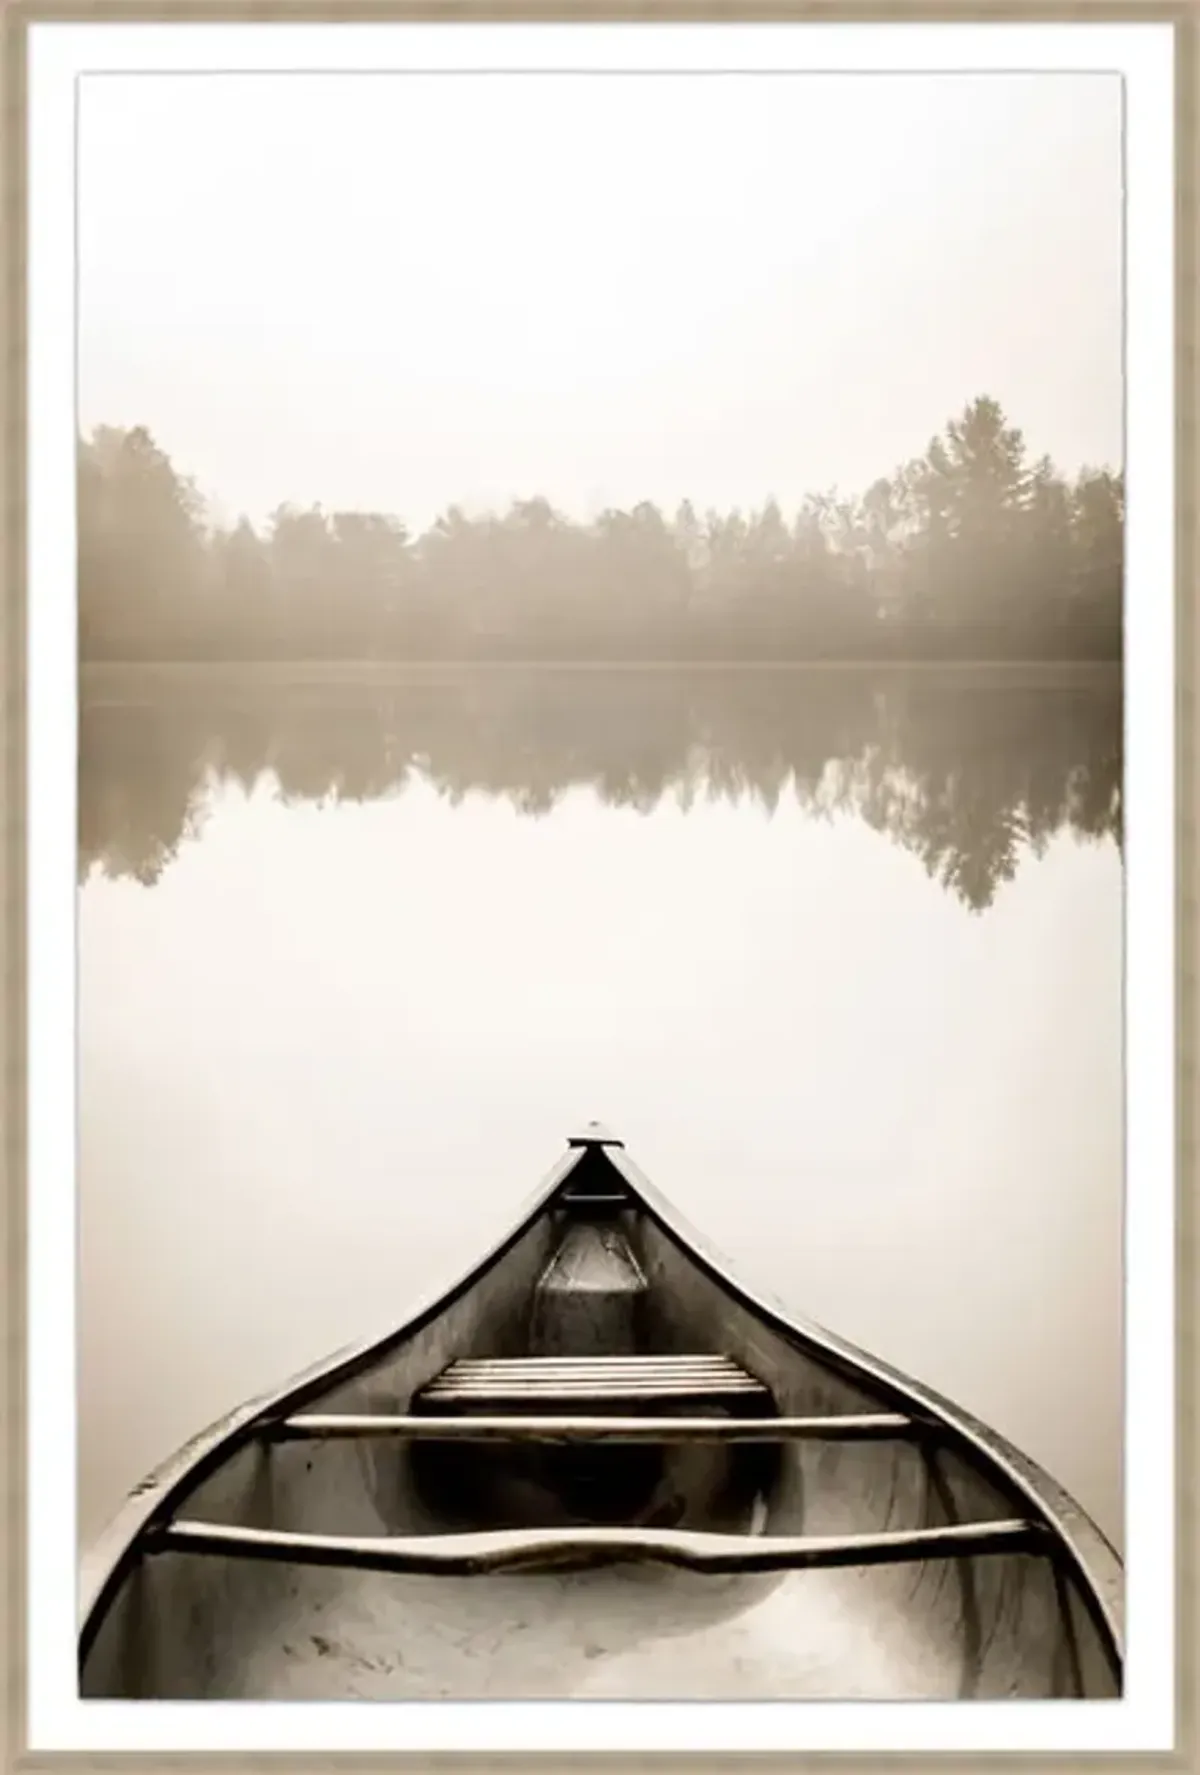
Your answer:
<point x="971" y="551"/>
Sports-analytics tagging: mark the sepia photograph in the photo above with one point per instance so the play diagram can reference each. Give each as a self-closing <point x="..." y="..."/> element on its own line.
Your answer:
<point x="601" y="883"/>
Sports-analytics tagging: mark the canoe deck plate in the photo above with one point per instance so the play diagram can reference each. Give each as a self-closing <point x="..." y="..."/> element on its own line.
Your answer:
<point x="592" y="1260"/>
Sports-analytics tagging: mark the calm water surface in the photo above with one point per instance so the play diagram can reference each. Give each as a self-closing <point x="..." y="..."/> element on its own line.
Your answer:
<point x="838" y="955"/>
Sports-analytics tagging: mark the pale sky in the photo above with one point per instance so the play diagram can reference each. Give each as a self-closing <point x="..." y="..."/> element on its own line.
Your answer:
<point x="394" y="292"/>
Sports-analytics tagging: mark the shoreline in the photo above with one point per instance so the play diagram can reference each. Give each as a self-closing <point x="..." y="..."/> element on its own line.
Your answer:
<point x="335" y="671"/>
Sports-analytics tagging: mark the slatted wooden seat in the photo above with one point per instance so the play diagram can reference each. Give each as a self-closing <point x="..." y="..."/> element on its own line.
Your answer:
<point x="583" y="1384"/>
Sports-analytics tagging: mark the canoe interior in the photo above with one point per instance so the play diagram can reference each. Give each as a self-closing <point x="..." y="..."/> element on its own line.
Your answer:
<point x="581" y="1281"/>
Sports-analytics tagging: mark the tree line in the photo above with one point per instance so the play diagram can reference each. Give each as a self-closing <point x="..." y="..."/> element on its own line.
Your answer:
<point x="968" y="776"/>
<point x="970" y="551"/>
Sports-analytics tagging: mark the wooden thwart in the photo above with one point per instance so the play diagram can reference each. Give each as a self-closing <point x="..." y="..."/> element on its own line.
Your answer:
<point x="512" y="1549"/>
<point x="874" y="1426"/>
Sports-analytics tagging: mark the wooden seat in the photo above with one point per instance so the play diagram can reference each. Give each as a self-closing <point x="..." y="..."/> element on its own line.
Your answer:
<point x="581" y="1384"/>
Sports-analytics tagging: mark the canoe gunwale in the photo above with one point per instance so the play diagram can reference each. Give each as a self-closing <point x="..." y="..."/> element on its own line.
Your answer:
<point x="141" y="1519"/>
<point x="1095" y="1560"/>
<point x="118" y="1546"/>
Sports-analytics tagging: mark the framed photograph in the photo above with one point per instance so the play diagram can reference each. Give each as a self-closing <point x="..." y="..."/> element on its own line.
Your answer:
<point x="599" y="685"/>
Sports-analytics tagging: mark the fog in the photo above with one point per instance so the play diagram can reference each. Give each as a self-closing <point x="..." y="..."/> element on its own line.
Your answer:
<point x="394" y="292"/>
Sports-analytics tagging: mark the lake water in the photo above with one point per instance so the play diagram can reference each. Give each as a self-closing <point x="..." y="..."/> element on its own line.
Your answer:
<point x="837" y="954"/>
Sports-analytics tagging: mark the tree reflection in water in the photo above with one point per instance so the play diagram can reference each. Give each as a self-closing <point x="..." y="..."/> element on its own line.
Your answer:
<point x="967" y="770"/>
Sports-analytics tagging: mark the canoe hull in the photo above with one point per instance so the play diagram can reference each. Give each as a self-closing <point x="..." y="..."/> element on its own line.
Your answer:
<point x="1023" y="1620"/>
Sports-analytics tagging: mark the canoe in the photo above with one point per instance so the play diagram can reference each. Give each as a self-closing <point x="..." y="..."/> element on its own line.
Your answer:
<point x="601" y="1466"/>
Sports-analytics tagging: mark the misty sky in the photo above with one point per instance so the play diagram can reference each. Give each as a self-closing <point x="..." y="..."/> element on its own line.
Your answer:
<point x="395" y="292"/>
